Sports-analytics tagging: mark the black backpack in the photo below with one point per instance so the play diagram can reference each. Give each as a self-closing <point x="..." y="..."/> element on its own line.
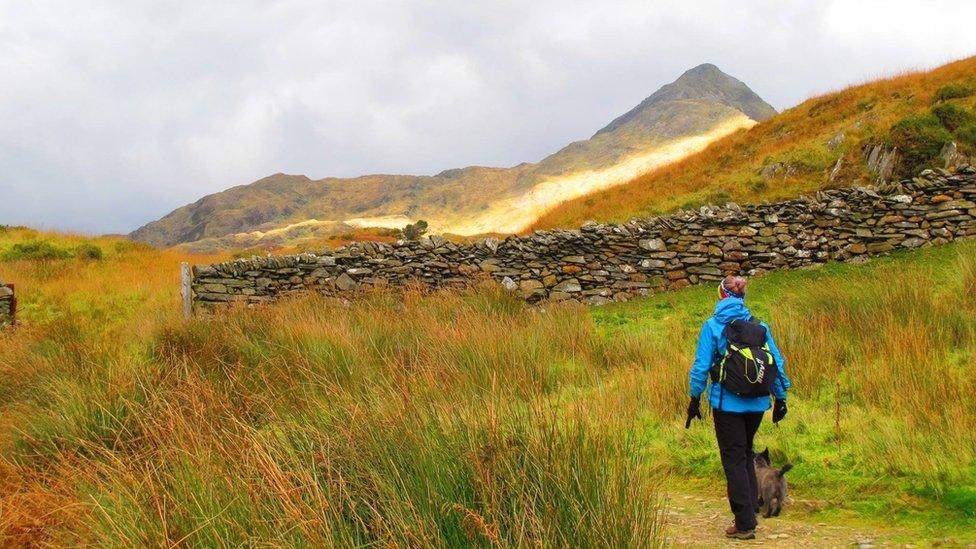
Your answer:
<point x="747" y="369"/>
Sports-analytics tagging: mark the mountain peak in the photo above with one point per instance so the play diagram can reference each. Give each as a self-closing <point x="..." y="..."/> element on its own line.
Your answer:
<point x="704" y="68"/>
<point x="707" y="74"/>
<point x="703" y="82"/>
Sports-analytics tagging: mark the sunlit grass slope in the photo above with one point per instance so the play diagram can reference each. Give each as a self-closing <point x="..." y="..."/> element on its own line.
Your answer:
<point x="905" y="111"/>
<point x="437" y="420"/>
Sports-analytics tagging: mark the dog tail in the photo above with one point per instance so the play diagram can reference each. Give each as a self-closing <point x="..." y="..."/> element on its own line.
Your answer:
<point x="786" y="468"/>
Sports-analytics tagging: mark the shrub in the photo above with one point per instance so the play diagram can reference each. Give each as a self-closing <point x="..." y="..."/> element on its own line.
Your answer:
<point x="712" y="197"/>
<point x="39" y="250"/>
<point x="387" y="231"/>
<point x="919" y="140"/>
<point x="89" y="251"/>
<point x="867" y="103"/>
<point x="952" y="116"/>
<point x="967" y="135"/>
<point x="953" y="91"/>
<point x="123" y="246"/>
<point x="719" y="197"/>
<point x="758" y="184"/>
<point x="248" y="252"/>
<point x="414" y="231"/>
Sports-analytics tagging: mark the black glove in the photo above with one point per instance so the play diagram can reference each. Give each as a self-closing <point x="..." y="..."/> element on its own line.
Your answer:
<point x="694" y="410"/>
<point x="779" y="410"/>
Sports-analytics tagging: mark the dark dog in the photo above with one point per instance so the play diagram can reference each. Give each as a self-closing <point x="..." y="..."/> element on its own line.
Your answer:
<point x="772" y="485"/>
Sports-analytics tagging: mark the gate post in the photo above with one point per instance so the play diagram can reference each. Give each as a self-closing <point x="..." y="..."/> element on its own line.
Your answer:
<point x="186" y="291"/>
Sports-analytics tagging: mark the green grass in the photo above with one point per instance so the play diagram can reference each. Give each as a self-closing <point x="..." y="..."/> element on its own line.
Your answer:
<point x="890" y="346"/>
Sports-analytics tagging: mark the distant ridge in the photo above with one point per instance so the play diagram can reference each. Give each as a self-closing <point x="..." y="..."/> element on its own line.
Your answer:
<point x="702" y="105"/>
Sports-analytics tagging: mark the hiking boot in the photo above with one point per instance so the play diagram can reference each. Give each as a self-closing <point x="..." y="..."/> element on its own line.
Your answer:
<point x="734" y="533"/>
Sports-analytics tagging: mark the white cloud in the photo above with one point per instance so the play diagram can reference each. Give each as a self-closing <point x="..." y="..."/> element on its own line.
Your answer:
<point x="113" y="113"/>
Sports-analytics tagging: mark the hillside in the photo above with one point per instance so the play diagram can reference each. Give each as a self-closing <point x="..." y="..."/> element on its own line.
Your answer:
<point x="465" y="419"/>
<point x="838" y="139"/>
<point x="702" y="105"/>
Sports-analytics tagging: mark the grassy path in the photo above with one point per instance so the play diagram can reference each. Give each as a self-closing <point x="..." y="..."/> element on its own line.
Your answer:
<point x="696" y="520"/>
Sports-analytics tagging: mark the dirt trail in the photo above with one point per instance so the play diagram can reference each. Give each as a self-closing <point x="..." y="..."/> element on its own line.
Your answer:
<point x="700" y="521"/>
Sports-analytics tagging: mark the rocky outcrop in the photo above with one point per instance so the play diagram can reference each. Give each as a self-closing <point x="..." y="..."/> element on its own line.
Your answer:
<point x="880" y="162"/>
<point x="952" y="157"/>
<point x="600" y="263"/>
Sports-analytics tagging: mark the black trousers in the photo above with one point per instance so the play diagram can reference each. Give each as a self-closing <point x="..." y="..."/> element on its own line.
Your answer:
<point x="735" y="432"/>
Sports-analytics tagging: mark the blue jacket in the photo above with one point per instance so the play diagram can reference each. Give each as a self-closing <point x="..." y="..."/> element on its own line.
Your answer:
<point x="711" y="347"/>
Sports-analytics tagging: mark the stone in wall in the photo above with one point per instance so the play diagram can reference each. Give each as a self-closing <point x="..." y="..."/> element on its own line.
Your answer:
<point x="598" y="263"/>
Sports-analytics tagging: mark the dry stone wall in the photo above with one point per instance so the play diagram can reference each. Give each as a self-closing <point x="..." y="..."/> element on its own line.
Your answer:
<point x="7" y="304"/>
<point x="600" y="263"/>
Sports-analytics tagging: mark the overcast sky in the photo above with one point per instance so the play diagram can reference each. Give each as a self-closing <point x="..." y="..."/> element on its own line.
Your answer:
<point x="114" y="113"/>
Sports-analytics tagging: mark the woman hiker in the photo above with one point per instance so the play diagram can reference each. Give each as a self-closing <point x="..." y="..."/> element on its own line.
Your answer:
<point x="734" y="352"/>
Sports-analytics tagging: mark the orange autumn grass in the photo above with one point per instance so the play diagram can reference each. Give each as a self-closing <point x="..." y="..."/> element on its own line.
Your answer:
<point x="400" y="421"/>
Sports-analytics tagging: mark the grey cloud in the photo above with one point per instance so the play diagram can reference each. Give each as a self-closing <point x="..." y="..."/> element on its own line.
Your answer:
<point x="114" y="113"/>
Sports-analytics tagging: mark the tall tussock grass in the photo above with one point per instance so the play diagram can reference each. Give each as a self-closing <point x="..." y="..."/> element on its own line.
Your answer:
<point x="421" y="421"/>
<point x="902" y="355"/>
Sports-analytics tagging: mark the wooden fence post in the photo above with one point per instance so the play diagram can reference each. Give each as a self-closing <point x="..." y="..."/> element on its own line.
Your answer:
<point x="186" y="291"/>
